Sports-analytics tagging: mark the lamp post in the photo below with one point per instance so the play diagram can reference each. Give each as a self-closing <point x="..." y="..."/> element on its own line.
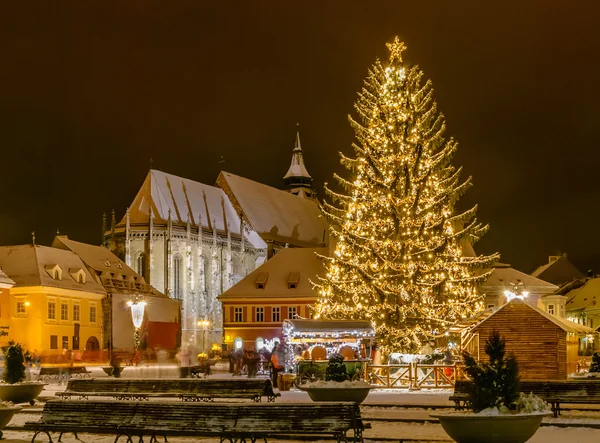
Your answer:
<point x="137" y="307"/>
<point x="204" y="324"/>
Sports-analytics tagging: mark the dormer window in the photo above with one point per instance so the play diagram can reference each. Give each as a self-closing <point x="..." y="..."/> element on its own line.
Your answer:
<point x="78" y="275"/>
<point x="107" y="263"/>
<point x="261" y="280"/>
<point x="293" y="280"/>
<point x="54" y="271"/>
<point x="119" y="266"/>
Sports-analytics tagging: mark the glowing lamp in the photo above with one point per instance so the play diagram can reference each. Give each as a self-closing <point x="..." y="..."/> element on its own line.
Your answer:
<point x="137" y="312"/>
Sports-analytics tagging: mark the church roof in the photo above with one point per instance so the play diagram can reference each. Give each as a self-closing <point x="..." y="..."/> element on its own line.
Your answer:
<point x="34" y="265"/>
<point x="185" y="200"/>
<point x="297" y="168"/>
<point x="275" y="214"/>
<point x="287" y="274"/>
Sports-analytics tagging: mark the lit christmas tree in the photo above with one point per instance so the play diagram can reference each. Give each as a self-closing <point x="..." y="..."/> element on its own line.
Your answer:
<point x="398" y="257"/>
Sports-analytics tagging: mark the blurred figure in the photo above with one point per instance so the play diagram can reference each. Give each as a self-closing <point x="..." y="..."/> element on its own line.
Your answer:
<point x="306" y="352"/>
<point x="278" y="362"/>
<point x="184" y="360"/>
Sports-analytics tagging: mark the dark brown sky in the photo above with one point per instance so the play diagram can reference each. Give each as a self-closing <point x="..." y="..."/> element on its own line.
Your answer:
<point x="89" y="93"/>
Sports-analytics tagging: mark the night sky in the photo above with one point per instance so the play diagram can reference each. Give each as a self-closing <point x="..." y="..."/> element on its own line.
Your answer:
<point x="90" y="91"/>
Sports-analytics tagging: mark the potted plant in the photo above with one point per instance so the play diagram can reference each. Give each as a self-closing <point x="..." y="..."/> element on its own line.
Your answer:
<point x="14" y="388"/>
<point x="500" y="413"/>
<point x="337" y="385"/>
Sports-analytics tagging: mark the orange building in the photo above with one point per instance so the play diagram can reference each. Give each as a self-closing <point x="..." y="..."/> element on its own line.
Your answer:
<point x="254" y="309"/>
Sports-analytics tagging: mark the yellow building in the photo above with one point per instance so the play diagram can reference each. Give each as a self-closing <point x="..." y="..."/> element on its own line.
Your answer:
<point x="55" y="302"/>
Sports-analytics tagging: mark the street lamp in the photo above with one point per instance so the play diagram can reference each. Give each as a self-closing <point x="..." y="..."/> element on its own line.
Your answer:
<point x="517" y="290"/>
<point x="204" y="324"/>
<point x="137" y="316"/>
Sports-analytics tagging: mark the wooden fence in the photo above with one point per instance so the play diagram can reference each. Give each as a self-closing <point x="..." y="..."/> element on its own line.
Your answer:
<point x="414" y="376"/>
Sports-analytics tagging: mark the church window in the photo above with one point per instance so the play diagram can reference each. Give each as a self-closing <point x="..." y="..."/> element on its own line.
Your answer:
<point x="237" y="315"/>
<point x="140" y="263"/>
<point x="177" y="278"/>
<point x="551" y="309"/>
<point x="260" y="315"/>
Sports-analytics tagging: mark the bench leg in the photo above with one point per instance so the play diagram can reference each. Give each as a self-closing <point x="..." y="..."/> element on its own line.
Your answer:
<point x="39" y="432"/>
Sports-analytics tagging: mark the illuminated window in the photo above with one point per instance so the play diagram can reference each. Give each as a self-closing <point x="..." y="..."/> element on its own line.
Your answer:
<point x="65" y="342"/>
<point x="551" y="309"/>
<point x="238" y="315"/>
<point x="52" y="311"/>
<point x="20" y="308"/>
<point x="64" y="311"/>
<point x="93" y="314"/>
<point x="260" y="315"/>
<point x="177" y="293"/>
<point x="275" y="314"/>
<point x="292" y="312"/>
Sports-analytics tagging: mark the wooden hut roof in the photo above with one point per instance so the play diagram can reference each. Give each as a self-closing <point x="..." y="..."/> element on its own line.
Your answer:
<point x="562" y="323"/>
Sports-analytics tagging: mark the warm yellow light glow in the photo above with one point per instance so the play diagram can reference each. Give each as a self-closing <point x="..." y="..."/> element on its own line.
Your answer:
<point x="398" y="258"/>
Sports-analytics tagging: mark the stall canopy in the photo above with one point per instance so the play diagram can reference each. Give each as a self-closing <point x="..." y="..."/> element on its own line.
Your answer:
<point x="328" y="329"/>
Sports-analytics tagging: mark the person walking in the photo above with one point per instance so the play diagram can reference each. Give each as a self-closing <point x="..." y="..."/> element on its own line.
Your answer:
<point x="278" y="362"/>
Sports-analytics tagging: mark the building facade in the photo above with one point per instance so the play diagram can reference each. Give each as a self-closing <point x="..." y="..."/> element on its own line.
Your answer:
<point x="55" y="302"/>
<point x="279" y="290"/>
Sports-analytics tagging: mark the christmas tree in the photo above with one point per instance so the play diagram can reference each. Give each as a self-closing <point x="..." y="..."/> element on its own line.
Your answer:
<point x="399" y="240"/>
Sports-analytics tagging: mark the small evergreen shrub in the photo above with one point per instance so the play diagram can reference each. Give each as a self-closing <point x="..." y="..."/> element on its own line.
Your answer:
<point x="336" y="369"/>
<point x="14" y="364"/>
<point x="595" y="366"/>
<point x="495" y="383"/>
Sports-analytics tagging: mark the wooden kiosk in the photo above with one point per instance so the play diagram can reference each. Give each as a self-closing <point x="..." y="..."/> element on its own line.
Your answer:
<point x="318" y="339"/>
<point x="546" y="346"/>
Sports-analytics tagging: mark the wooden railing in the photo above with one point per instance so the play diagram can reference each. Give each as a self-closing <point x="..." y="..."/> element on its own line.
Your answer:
<point x="414" y="376"/>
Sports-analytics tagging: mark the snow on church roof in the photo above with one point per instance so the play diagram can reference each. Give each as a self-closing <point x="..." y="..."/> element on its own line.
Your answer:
<point x="275" y="214"/>
<point x="186" y="200"/>
<point x="297" y="168"/>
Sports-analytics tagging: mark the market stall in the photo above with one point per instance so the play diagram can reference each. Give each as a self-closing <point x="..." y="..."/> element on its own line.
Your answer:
<point x="311" y="342"/>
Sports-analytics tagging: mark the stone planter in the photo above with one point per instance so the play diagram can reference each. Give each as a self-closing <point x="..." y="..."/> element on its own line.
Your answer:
<point x="343" y="393"/>
<point x="6" y="415"/>
<point x="21" y="392"/>
<point x="471" y="428"/>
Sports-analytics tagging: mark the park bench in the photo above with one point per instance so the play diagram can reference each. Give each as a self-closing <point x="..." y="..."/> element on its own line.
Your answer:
<point x="554" y="392"/>
<point x="184" y="389"/>
<point x="55" y="372"/>
<point x="231" y="422"/>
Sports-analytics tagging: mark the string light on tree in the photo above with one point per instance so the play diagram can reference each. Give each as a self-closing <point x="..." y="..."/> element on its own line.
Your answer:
<point x="398" y="259"/>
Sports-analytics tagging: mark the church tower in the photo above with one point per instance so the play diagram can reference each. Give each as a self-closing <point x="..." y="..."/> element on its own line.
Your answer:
<point x="297" y="180"/>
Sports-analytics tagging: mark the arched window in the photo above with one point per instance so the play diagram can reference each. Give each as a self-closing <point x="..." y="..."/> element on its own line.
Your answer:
<point x="177" y="293"/>
<point x="238" y="343"/>
<point x="140" y="263"/>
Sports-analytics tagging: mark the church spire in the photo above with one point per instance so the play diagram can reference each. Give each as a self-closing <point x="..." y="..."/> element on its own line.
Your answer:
<point x="297" y="180"/>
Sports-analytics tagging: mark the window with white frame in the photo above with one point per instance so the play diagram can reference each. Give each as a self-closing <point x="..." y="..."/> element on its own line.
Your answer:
<point x="291" y="312"/>
<point x="551" y="309"/>
<point x="93" y="313"/>
<point x="260" y="314"/>
<point x="51" y="310"/>
<point x="20" y="307"/>
<point x="562" y="310"/>
<point x="64" y="311"/>
<point x="275" y="314"/>
<point x="76" y="312"/>
<point x="237" y="315"/>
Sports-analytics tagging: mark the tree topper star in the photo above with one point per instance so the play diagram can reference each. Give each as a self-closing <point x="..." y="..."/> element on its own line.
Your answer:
<point x="396" y="49"/>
